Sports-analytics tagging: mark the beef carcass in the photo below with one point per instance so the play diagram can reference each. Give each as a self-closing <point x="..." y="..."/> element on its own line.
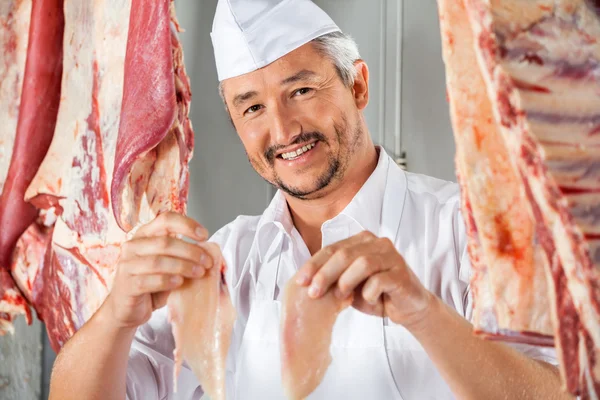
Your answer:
<point x="32" y="33"/>
<point x="202" y="317"/>
<point x="64" y="263"/>
<point x="14" y="36"/>
<point x="540" y="64"/>
<point x="73" y="180"/>
<point x="510" y="289"/>
<point x="111" y="148"/>
<point x="306" y="329"/>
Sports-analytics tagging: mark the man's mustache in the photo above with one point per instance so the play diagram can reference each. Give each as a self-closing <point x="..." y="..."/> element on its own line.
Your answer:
<point x="301" y="138"/>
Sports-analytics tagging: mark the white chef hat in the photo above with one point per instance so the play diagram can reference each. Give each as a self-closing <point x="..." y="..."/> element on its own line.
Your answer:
<point x="250" y="34"/>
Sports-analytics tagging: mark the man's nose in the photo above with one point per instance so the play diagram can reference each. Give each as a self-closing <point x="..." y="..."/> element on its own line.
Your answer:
<point x="284" y="125"/>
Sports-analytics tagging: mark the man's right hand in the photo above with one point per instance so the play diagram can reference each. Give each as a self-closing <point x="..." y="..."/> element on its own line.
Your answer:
<point x="154" y="262"/>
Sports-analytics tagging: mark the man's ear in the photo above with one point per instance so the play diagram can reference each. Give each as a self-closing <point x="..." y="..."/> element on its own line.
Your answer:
<point x="360" y="89"/>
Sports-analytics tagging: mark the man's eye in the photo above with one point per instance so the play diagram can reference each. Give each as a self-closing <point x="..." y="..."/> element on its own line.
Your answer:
<point x="253" y="109"/>
<point x="302" y="91"/>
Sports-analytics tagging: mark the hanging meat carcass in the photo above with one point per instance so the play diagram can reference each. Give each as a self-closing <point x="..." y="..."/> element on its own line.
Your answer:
<point x="31" y="35"/>
<point x="120" y="123"/>
<point x="117" y="157"/>
<point x="74" y="177"/>
<point x="533" y="70"/>
<point x="14" y="34"/>
<point x="510" y="288"/>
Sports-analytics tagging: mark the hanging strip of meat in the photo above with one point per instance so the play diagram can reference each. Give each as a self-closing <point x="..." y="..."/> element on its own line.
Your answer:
<point x="306" y="329"/>
<point x="38" y="32"/>
<point x="155" y="135"/>
<point x="202" y="316"/>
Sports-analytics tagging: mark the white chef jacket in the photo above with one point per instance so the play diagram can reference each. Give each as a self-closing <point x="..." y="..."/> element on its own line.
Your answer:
<point x="420" y="214"/>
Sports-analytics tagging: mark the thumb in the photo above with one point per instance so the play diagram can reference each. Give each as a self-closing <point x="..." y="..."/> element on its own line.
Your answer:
<point x="364" y="306"/>
<point x="214" y="251"/>
<point x="159" y="300"/>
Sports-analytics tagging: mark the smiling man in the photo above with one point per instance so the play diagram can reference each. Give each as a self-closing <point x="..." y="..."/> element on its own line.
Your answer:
<point x="345" y="219"/>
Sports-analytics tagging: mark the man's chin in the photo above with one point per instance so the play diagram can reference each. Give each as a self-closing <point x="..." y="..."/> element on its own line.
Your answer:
<point x="305" y="192"/>
<point x="310" y="185"/>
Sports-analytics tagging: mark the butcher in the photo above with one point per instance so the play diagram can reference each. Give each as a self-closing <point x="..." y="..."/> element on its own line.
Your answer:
<point x="345" y="218"/>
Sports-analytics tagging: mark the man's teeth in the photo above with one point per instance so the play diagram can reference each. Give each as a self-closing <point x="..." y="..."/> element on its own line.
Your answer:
<point x="294" y="154"/>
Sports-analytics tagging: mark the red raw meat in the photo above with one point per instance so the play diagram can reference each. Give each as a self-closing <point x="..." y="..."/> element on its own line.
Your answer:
<point x="154" y="128"/>
<point x="509" y="289"/>
<point x="536" y="66"/>
<point x="37" y="113"/>
<point x="64" y="262"/>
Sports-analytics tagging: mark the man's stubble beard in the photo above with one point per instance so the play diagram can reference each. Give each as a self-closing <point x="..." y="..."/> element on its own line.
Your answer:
<point x="337" y="165"/>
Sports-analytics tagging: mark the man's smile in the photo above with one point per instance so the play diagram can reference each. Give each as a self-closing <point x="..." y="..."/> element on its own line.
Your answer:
<point x="296" y="151"/>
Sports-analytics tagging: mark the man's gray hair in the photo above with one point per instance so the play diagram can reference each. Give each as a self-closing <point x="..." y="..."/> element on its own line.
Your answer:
<point x="340" y="49"/>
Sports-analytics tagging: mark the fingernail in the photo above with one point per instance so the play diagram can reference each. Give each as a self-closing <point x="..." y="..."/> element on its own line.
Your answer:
<point x="176" y="280"/>
<point x="204" y="261"/>
<point x="302" y="280"/>
<point x="198" y="270"/>
<point x="313" y="291"/>
<point x="338" y="293"/>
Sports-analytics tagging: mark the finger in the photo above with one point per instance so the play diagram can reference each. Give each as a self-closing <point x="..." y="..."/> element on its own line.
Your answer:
<point x="214" y="251"/>
<point x="336" y="266"/>
<point x="159" y="300"/>
<point x="171" y="223"/>
<point x="363" y="267"/>
<point x="163" y="265"/>
<point x="360" y="304"/>
<point x="306" y="273"/>
<point x="167" y="246"/>
<point x="146" y="284"/>
<point x="309" y="269"/>
<point x="383" y="282"/>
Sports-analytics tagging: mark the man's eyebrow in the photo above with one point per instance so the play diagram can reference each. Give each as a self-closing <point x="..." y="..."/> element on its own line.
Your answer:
<point x="242" y="97"/>
<point x="303" y="75"/>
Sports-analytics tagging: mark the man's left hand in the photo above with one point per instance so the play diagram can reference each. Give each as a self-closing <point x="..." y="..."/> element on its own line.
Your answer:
<point x="372" y="268"/>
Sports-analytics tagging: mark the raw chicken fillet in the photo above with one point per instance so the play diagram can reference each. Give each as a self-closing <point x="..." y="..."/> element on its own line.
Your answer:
<point x="306" y="329"/>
